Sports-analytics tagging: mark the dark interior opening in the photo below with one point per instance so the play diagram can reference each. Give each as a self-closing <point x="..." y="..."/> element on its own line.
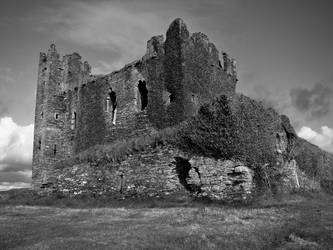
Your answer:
<point x="183" y="167"/>
<point x="54" y="149"/>
<point x="172" y="98"/>
<point x="143" y="94"/>
<point x="113" y="102"/>
<point x="39" y="144"/>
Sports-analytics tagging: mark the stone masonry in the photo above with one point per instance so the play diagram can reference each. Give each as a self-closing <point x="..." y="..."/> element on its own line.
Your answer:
<point x="76" y="110"/>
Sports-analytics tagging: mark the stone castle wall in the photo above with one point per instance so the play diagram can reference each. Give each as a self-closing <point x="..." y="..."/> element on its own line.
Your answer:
<point x="158" y="172"/>
<point x="74" y="110"/>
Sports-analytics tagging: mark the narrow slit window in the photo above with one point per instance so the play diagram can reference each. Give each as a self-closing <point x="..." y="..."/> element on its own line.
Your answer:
<point x="56" y="116"/>
<point x="112" y="98"/>
<point x="54" y="149"/>
<point x="39" y="144"/>
<point x="143" y="94"/>
<point x="41" y="115"/>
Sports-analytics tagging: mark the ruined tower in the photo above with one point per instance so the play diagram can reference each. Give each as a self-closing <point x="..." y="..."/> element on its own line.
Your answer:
<point x="76" y="110"/>
<point x="54" y="112"/>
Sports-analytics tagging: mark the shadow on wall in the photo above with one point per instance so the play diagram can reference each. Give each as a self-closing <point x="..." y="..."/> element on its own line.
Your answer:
<point x="183" y="167"/>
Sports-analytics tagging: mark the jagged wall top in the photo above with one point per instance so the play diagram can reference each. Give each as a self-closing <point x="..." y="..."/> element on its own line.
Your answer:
<point x="71" y="69"/>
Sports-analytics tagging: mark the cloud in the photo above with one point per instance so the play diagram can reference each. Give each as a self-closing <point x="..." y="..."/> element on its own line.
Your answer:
<point x="269" y="98"/>
<point x="315" y="102"/>
<point x="9" y="82"/>
<point x="10" y="185"/>
<point x="323" y="139"/>
<point x="120" y="29"/>
<point x="3" y="109"/>
<point x="117" y="28"/>
<point x="103" y="67"/>
<point x="15" y="151"/>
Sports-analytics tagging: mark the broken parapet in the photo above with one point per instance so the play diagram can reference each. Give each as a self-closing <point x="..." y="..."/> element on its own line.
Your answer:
<point x="155" y="47"/>
<point x="70" y="72"/>
<point x="229" y="65"/>
<point x="75" y="73"/>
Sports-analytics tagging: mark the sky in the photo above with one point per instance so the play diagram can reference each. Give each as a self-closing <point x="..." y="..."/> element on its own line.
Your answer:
<point x="283" y="49"/>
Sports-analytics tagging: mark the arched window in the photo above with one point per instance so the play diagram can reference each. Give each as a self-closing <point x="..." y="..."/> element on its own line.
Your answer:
<point x="143" y="94"/>
<point x="73" y="120"/>
<point x="111" y="102"/>
<point x="56" y="116"/>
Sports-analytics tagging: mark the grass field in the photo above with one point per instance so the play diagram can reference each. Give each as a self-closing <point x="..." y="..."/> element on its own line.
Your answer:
<point x="293" y="222"/>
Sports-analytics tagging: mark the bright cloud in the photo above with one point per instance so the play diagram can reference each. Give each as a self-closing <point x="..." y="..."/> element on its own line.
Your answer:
<point x="10" y="185"/>
<point x="103" y="67"/>
<point x="15" y="141"/>
<point x="15" y="153"/>
<point x="323" y="139"/>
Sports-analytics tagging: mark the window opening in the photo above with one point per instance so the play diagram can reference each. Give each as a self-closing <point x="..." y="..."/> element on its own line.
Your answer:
<point x="112" y="104"/>
<point x="143" y="94"/>
<point x="172" y="98"/>
<point x="54" y="149"/>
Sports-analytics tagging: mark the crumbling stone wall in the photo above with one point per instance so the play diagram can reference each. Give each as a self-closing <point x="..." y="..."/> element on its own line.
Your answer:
<point x="180" y="74"/>
<point x="315" y="163"/>
<point x="155" y="173"/>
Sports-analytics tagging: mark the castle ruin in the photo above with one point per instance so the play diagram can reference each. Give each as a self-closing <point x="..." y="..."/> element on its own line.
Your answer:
<point x="100" y="134"/>
<point x="76" y="110"/>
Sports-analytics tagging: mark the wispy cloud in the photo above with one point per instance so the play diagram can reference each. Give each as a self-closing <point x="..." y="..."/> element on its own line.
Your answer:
<point x="9" y="82"/>
<point x="103" y="67"/>
<point x="10" y="185"/>
<point x="269" y="98"/>
<point x="3" y="109"/>
<point x="323" y="139"/>
<point x="315" y="102"/>
<point x="118" y="29"/>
